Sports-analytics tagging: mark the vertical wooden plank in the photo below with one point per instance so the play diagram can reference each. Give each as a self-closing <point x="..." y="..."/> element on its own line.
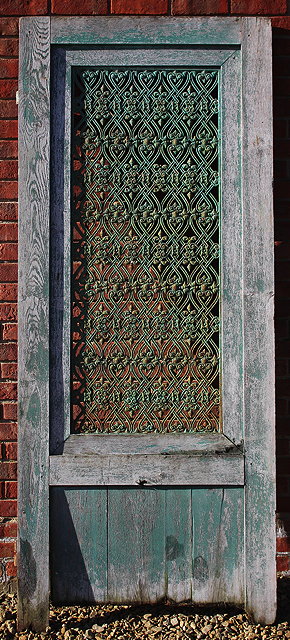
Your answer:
<point x="33" y="572"/>
<point x="136" y="546"/>
<point x="178" y="543"/>
<point x="258" y="321"/>
<point x="58" y="327"/>
<point x="218" y="545"/>
<point x="231" y="250"/>
<point x="78" y="525"/>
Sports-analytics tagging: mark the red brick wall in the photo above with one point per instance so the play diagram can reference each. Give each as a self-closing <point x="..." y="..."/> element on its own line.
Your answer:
<point x="10" y="10"/>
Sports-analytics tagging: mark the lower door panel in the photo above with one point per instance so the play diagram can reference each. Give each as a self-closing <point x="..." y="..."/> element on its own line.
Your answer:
<point x="144" y="545"/>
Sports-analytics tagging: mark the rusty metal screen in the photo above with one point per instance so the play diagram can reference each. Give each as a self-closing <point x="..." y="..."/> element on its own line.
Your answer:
<point x="145" y="250"/>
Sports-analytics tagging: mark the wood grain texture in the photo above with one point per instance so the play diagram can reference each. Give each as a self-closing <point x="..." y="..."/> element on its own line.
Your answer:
<point x="33" y="570"/>
<point x="78" y="545"/>
<point x="258" y="322"/>
<point x="156" y="443"/>
<point x="57" y="392"/>
<point x="218" y="545"/>
<point x="178" y="544"/>
<point x="154" y="57"/>
<point x="231" y="251"/>
<point x="142" y="469"/>
<point x="142" y="31"/>
<point x="136" y="545"/>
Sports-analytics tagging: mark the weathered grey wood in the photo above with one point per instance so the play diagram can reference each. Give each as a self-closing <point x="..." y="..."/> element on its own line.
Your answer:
<point x="231" y="251"/>
<point x="128" y="57"/>
<point x="258" y="322"/>
<point x="178" y="544"/>
<point x="136" y="545"/>
<point x="156" y="443"/>
<point x="141" y="30"/>
<point x="33" y="568"/>
<point x="218" y="545"/>
<point x="78" y="545"/>
<point x="142" y="469"/>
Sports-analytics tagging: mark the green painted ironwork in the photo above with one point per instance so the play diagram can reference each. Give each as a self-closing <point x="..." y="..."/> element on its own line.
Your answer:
<point x="145" y="352"/>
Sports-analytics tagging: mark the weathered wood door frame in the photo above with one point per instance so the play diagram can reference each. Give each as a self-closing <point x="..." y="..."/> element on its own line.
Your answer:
<point x="248" y="407"/>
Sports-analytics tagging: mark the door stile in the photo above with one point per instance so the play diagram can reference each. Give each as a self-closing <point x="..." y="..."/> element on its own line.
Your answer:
<point x="33" y="480"/>
<point x="260" y="537"/>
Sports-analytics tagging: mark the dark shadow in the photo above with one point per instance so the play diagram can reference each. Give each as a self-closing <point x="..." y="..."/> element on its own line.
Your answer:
<point x="56" y="284"/>
<point x="69" y="579"/>
<point x="281" y="112"/>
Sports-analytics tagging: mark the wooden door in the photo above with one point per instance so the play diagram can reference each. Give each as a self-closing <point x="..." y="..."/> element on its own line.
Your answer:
<point x="146" y="428"/>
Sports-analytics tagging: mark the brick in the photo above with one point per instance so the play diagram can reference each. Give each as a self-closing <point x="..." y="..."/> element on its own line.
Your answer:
<point x="282" y="189"/>
<point x="282" y="270"/>
<point x="8" y="471"/>
<point x="281" y="23"/>
<point x="8" y="213"/>
<point x="281" y="367"/>
<point x="8" y="190"/>
<point x="11" y="490"/>
<point x="283" y="389"/>
<point x="8" y="88"/>
<point x="8" y="251"/>
<point x="9" y="371"/>
<point x="282" y="483"/>
<point x="2" y="489"/>
<point x="9" y="26"/>
<point x="8" y="292"/>
<point x="8" y="509"/>
<point x="9" y="411"/>
<point x="8" y="351"/>
<point x="9" y="47"/>
<point x="8" y="108"/>
<point x="10" y="451"/>
<point x="280" y="129"/>
<point x="199" y="7"/>
<point x="8" y="391"/>
<point x="258" y="7"/>
<point x="8" y="149"/>
<point x="7" y="549"/>
<point x="8" y="272"/>
<point x="140" y="7"/>
<point x="9" y="332"/>
<point x="8" y="68"/>
<point x="8" y="129"/>
<point x="283" y="563"/>
<point x="8" y="232"/>
<point x="8" y="169"/>
<point x="282" y="293"/>
<point x="76" y="8"/>
<point x="8" y="431"/>
<point x="8" y="530"/>
<point x="11" y="569"/>
<point x="283" y="545"/>
<point x="281" y="86"/>
<point x="23" y="7"/>
<point x="8" y="312"/>
<point x="282" y="148"/>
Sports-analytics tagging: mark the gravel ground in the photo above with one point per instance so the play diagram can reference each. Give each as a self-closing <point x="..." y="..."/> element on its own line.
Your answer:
<point x="162" y="622"/>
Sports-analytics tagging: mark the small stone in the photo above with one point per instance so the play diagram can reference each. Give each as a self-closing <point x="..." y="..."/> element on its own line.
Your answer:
<point x="174" y="621"/>
<point x="97" y="627"/>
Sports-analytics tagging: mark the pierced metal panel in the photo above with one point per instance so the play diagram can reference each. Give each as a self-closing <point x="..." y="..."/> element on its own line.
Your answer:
<point x="145" y="294"/>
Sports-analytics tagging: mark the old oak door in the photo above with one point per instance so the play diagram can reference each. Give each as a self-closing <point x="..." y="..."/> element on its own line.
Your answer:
<point x="146" y="441"/>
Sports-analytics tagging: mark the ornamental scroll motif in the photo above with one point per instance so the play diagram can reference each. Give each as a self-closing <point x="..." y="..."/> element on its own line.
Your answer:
<point x="145" y="294"/>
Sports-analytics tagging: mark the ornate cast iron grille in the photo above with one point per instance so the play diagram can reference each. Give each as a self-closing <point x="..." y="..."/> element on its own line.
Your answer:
<point x="145" y="294"/>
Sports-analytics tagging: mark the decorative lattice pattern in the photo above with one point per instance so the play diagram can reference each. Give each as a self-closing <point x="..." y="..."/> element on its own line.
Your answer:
<point x="145" y="250"/>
